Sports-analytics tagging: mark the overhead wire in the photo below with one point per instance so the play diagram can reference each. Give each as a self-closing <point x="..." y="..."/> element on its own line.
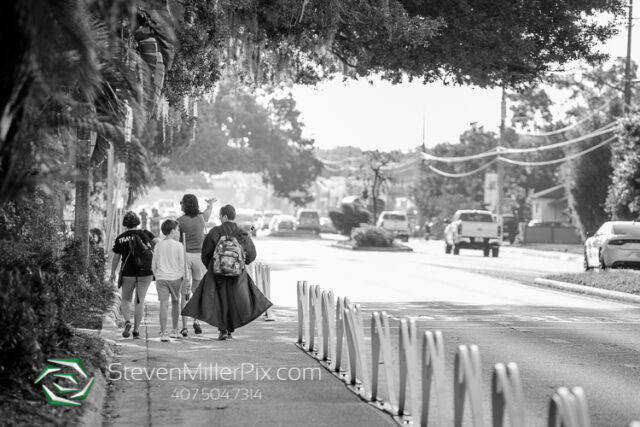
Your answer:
<point x="608" y="128"/>
<point x="555" y="161"/>
<point x="488" y="153"/>
<point x="571" y="126"/>
<point x="496" y="151"/>
<point x="463" y="174"/>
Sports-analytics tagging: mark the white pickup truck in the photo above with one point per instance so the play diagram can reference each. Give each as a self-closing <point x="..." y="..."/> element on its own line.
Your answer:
<point x="473" y="229"/>
<point x="395" y="223"/>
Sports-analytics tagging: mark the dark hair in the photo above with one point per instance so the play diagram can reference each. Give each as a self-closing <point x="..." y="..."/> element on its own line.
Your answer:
<point x="229" y="211"/>
<point x="96" y="235"/>
<point x="131" y="220"/>
<point x="167" y="226"/>
<point x="190" y="205"/>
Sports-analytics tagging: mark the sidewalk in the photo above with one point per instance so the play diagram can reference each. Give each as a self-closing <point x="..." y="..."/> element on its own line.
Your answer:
<point x="257" y="378"/>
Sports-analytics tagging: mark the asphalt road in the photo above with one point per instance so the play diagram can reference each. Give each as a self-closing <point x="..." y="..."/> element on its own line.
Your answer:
<point x="557" y="339"/>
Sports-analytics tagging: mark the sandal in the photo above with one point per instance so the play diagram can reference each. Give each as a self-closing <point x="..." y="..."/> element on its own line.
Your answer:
<point x="184" y="332"/>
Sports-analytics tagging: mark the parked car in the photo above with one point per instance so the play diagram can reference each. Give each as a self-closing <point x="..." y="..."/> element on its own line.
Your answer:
<point x="245" y="221"/>
<point x="326" y="225"/>
<point x="265" y="219"/>
<point x="473" y="229"/>
<point x="395" y="223"/>
<point x="308" y="219"/>
<point x="282" y="223"/>
<point x="615" y="244"/>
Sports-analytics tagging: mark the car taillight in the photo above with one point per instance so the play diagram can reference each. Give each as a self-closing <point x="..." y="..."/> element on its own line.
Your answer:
<point x="499" y="230"/>
<point x="616" y="242"/>
<point x="460" y="228"/>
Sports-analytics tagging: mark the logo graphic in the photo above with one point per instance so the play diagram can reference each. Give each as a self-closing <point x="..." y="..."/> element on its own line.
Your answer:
<point x="74" y="392"/>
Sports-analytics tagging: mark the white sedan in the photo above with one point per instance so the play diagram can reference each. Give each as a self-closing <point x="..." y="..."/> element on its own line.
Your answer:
<point x="615" y="244"/>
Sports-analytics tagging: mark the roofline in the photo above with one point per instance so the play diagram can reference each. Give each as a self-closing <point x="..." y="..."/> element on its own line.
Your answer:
<point x="546" y="191"/>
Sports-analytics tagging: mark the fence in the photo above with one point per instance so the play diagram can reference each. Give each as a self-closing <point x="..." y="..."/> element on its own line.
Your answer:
<point x="550" y="234"/>
<point x="326" y="324"/>
<point x="261" y="275"/>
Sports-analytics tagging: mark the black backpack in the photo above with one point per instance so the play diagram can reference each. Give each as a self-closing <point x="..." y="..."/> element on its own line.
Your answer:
<point x="141" y="252"/>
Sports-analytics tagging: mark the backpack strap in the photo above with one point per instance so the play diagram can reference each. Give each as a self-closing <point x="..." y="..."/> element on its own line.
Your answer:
<point x="125" y="261"/>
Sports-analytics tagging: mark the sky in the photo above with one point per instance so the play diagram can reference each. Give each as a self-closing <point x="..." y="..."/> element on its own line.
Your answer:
<point x="386" y="116"/>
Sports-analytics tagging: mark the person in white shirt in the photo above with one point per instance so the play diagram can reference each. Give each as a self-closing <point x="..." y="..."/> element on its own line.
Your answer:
<point x="169" y="269"/>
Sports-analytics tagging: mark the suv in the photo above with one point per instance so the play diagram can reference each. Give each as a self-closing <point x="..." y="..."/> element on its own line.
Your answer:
<point x="308" y="219"/>
<point x="395" y="223"/>
<point x="473" y="229"/>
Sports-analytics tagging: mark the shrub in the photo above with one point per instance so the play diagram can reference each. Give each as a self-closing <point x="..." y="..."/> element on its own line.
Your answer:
<point x="32" y="234"/>
<point x="82" y="295"/>
<point x="368" y="235"/>
<point x="43" y="289"/>
<point x="33" y="328"/>
<point x="348" y="219"/>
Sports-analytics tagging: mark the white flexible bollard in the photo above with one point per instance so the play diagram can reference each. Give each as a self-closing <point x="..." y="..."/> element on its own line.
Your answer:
<point x="468" y="382"/>
<point x="568" y="408"/>
<point x="328" y="325"/>
<point x="381" y="345"/>
<point x="303" y="315"/>
<point x="409" y="373"/>
<point x="507" y="395"/>
<point x="336" y="359"/>
<point x="433" y="373"/>
<point x="314" y="305"/>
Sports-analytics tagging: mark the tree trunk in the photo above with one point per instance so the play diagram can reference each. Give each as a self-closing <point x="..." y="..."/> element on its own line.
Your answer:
<point x="83" y="183"/>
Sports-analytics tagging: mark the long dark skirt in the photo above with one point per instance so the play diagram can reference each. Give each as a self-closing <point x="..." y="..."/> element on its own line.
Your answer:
<point x="226" y="302"/>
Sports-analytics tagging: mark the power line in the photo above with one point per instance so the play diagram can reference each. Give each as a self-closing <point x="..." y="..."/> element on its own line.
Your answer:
<point x="521" y="163"/>
<point x="608" y="128"/>
<point x="488" y="153"/>
<point x="463" y="174"/>
<point x="564" y="159"/>
<point x="571" y="126"/>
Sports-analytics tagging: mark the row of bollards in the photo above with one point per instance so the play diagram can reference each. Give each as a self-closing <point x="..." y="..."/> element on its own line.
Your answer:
<point x="326" y="324"/>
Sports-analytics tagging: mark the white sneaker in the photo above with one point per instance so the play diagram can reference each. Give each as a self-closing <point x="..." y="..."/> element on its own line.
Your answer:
<point x="164" y="337"/>
<point x="174" y="334"/>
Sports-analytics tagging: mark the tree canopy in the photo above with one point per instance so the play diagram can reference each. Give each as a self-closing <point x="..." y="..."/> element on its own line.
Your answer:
<point x="238" y="132"/>
<point x="481" y="42"/>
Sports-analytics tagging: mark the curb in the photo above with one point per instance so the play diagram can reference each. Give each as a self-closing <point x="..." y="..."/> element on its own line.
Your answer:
<point x="112" y="317"/>
<point x="398" y="248"/>
<point x="544" y="254"/>
<point x="94" y="404"/>
<point x="294" y="233"/>
<point x="588" y="290"/>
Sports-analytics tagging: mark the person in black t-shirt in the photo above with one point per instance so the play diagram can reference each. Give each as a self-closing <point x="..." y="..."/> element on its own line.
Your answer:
<point x="133" y="279"/>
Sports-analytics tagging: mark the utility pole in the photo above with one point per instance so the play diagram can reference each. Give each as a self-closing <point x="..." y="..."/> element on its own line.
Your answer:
<point x="627" y="74"/>
<point x="500" y="167"/>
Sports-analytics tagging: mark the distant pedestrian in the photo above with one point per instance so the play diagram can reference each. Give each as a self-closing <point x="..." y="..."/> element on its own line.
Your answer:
<point x="192" y="228"/>
<point x="154" y="222"/>
<point x="95" y="236"/>
<point x="169" y="270"/>
<point x="143" y="218"/>
<point x="134" y="276"/>
<point x="233" y="300"/>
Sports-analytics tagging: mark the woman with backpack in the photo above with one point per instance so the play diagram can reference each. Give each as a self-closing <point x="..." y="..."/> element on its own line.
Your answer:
<point x="227" y="297"/>
<point x="135" y="248"/>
